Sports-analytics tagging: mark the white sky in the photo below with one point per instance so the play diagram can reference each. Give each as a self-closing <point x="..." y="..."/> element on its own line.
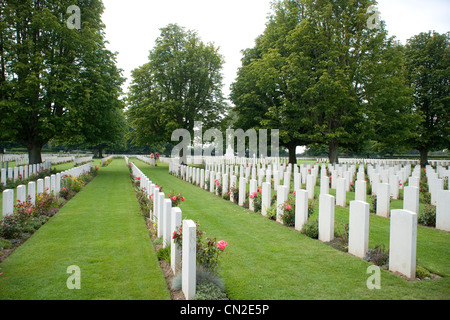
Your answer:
<point x="132" y="26"/>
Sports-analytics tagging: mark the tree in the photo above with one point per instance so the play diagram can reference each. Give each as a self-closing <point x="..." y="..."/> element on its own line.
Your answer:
<point x="262" y="93"/>
<point x="46" y="69"/>
<point x="104" y="125"/>
<point x="428" y="65"/>
<point x="329" y="61"/>
<point x="180" y="84"/>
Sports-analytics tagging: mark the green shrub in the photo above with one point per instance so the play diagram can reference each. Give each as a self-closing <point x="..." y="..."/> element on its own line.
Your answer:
<point x="427" y="216"/>
<point x="288" y="212"/>
<point x="164" y="254"/>
<point x="422" y="273"/>
<point x="202" y="275"/>
<point x="373" y="203"/>
<point x="209" y="291"/>
<point x="378" y="255"/>
<point x="5" y="244"/>
<point x="426" y="198"/>
<point x="311" y="206"/>
<point x="311" y="229"/>
<point x="271" y="213"/>
<point x="11" y="228"/>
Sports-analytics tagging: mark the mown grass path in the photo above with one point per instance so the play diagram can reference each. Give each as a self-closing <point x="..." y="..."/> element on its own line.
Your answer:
<point x="266" y="260"/>
<point x="100" y="231"/>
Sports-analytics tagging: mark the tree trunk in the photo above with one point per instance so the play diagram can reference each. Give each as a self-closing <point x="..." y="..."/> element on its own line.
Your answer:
<point x="333" y="152"/>
<point x="100" y="152"/>
<point x="292" y="156"/>
<point x="34" y="153"/>
<point x="423" y="157"/>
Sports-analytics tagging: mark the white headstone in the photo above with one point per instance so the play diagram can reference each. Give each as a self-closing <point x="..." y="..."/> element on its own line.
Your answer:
<point x="360" y="190"/>
<point x="383" y="200"/>
<point x="159" y="213"/>
<point x="40" y="186"/>
<point x="403" y="242"/>
<point x="21" y="193"/>
<point x="155" y="199"/>
<point x="393" y="186"/>
<point x="414" y="182"/>
<point x="252" y="190"/>
<point x="436" y="185"/>
<point x="189" y="259"/>
<point x="47" y="184"/>
<point x="297" y="181"/>
<point x="358" y="240"/>
<point x="326" y="217"/>
<point x="242" y="190"/>
<point x="310" y="186"/>
<point x="265" y="198"/>
<point x="443" y="210"/>
<point x="224" y="184"/>
<point x="282" y="194"/>
<point x="175" y="252"/>
<point x="3" y="176"/>
<point x="411" y="199"/>
<point x="167" y="214"/>
<point x="341" y="195"/>
<point x="233" y="180"/>
<point x="324" y="184"/>
<point x="202" y="178"/>
<point x="301" y="208"/>
<point x="32" y="192"/>
<point x="8" y="202"/>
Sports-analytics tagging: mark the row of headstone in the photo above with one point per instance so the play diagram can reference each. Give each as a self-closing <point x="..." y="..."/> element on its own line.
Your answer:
<point x="168" y="220"/>
<point x="148" y="160"/>
<point x="105" y="159"/>
<point x="50" y="184"/>
<point x="403" y="232"/>
<point x="340" y="178"/>
<point x="22" y="172"/>
<point x="79" y="160"/>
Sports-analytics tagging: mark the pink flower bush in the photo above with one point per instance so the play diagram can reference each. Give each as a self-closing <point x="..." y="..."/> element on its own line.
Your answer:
<point x="288" y="207"/>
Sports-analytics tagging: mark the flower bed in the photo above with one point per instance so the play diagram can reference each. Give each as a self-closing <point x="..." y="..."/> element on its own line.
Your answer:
<point x="209" y="283"/>
<point x="15" y="229"/>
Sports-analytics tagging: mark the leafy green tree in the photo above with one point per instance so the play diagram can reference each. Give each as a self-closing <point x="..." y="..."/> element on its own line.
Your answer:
<point x="428" y="65"/>
<point x="180" y="84"/>
<point x="329" y="73"/>
<point x="47" y="72"/>
<point x="262" y="93"/>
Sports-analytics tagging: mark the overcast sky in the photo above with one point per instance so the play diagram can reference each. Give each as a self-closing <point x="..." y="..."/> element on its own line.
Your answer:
<point x="232" y="25"/>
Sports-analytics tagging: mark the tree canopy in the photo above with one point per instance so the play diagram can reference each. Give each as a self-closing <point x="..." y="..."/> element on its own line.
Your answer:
<point x="180" y="84"/>
<point x="323" y="76"/>
<point x="56" y="82"/>
<point x="428" y="66"/>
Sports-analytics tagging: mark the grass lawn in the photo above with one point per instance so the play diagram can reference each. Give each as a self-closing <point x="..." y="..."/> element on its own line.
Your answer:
<point x="266" y="260"/>
<point x="100" y="231"/>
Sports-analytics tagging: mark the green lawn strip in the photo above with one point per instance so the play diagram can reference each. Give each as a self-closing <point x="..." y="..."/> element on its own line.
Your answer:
<point x="265" y="260"/>
<point x="100" y="231"/>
